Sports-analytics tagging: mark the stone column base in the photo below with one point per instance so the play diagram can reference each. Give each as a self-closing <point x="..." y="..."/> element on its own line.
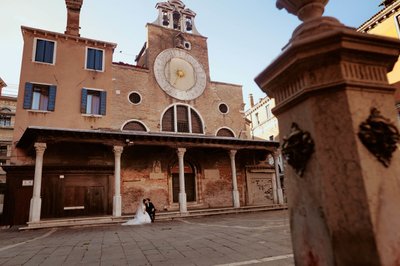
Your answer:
<point x="117" y="206"/>
<point x="236" y="199"/>
<point x="35" y="208"/>
<point x="182" y="203"/>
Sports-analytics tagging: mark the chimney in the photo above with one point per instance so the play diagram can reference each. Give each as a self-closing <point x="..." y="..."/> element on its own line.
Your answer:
<point x="251" y="101"/>
<point x="74" y="10"/>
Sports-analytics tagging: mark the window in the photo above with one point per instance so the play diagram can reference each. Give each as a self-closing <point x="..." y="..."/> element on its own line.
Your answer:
<point x="94" y="59"/>
<point x="5" y="120"/>
<point x="183" y="119"/>
<point x="223" y="108"/>
<point x="3" y="151"/>
<point x="39" y="97"/>
<point x="268" y="111"/>
<point x="44" y="51"/>
<point x="134" y="126"/>
<point x="93" y="102"/>
<point x="135" y="98"/>
<point x="257" y="119"/>
<point x="224" y="132"/>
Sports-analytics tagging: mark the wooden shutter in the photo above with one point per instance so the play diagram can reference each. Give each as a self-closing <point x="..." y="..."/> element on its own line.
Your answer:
<point x="103" y="102"/>
<point x="52" y="98"/>
<point x="40" y="46"/>
<point x="84" y="101"/>
<point x="90" y="58"/>
<point x="28" y="95"/>
<point x="98" y="64"/>
<point x="197" y="126"/>
<point x="48" y="52"/>
<point x="168" y="120"/>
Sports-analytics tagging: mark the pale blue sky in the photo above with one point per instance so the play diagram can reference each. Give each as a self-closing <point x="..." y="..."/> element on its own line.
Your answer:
<point x="243" y="36"/>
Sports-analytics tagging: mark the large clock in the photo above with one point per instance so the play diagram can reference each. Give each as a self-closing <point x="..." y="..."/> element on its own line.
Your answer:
<point x="179" y="74"/>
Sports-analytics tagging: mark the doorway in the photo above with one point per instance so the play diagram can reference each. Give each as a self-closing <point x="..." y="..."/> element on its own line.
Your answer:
<point x="190" y="183"/>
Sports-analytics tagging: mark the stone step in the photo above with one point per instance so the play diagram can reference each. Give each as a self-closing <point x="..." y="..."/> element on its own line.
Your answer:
<point x="160" y="216"/>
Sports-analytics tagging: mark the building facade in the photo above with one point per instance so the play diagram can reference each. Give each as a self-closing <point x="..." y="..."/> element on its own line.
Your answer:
<point x="387" y="23"/>
<point x="98" y="136"/>
<point x="7" y="119"/>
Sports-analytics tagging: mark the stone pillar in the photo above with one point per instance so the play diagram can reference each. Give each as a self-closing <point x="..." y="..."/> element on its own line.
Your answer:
<point x="235" y="191"/>
<point x="117" y="181"/>
<point x="278" y="178"/>
<point x="36" y="201"/>
<point x="182" y="191"/>
<point x="336" y="109"/>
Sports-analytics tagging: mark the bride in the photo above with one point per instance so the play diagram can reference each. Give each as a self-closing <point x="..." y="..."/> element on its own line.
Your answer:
<point x="141" y="216"/>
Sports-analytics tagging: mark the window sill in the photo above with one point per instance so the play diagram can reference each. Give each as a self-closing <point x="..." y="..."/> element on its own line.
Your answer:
<point x="38" y="111"/>
<point x="95" y="70"/>
<point x="94" y="116"/>
<point x="44" y="63"/>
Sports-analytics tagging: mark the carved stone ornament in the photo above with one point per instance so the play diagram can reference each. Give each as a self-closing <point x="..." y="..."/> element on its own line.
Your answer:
<point x="379" y="136"/>
<point x="297" y="148"/>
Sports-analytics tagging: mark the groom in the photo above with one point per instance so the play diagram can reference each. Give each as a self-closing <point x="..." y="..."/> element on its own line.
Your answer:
<point x="150" y="209"/>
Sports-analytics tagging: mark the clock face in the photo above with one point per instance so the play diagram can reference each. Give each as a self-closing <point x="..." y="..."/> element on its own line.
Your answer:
<point x="179" y="74"/>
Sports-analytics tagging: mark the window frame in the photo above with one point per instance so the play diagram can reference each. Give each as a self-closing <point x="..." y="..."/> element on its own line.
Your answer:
<point x="130" y="93"/>
<point x="102" y="60"/>
<point x="189" y="119"/>
<point x="29" y="93"/>
<point x="227" y="108"/>
<point x="135" y="121"/>
<point x="102" y="102"/>
<point x="35" y="40"/>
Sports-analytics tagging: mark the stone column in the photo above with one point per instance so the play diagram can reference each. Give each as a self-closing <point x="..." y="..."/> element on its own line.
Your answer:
<point x="336" y="109"/>
<point x="182" y="191"/>
<point x="278" y="178"/>
<point x="36" y="201"/>
<point x="235" y="191"/>
<point x="117" y="181"/>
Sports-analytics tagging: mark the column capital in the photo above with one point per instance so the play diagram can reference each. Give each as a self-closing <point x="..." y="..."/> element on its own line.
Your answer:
<point x="232" y="153"/>
<point x="118" y="150"/>
<point x="181" y="151"/>
<point x="40" y="147"/>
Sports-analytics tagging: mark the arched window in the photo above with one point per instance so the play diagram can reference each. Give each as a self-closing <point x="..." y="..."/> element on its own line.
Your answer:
<point x="182" y="119"/>
<point x="224" y="132"/>
<point x="134" y="126"/>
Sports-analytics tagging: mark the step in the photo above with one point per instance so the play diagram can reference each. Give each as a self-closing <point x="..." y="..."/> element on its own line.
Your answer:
<point x="161" y="216"/>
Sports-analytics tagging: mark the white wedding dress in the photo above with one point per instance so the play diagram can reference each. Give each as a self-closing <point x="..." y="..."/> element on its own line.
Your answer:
<point x="141" y="217"/>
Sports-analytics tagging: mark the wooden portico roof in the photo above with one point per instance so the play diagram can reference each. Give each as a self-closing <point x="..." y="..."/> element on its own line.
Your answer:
<point x="109" y="137"/>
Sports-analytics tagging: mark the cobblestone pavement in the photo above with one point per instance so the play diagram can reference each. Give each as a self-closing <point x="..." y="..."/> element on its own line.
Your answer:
<point x="261" y="238"/>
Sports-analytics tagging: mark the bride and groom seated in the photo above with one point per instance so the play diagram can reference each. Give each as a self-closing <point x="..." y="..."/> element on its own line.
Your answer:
<point x="145" y="213"/>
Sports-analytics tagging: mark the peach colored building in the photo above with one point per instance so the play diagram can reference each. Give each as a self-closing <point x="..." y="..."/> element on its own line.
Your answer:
<point x="96" y="136"/>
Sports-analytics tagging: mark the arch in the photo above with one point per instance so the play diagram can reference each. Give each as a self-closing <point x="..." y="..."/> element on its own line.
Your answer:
<point x="134" y="125"/>
<point x="181" y="118"/>
<point x="191" y="185"/>
<point x="5" y="110"/>
<point x="225" y="132"/>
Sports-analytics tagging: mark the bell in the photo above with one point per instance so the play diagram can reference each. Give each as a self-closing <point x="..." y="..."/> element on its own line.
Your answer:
<point x="189" y="26"/>
<point x="165" y="20"/>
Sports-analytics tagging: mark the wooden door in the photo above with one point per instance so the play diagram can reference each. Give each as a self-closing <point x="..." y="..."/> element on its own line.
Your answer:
<point x="190" y="187"/>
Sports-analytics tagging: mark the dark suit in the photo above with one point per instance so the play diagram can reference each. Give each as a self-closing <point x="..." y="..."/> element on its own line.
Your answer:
<point x="151" y="210"/>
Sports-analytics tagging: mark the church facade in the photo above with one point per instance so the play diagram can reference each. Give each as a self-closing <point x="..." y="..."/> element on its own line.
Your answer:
<point x="94" y="137"/>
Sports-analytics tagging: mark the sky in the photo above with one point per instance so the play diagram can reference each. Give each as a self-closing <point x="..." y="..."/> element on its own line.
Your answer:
<point x="244" y="37"/>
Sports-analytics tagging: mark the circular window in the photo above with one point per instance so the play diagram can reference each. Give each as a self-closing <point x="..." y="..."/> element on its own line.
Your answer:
<point x="223" y="108"/>
<point x="135" y="98"/>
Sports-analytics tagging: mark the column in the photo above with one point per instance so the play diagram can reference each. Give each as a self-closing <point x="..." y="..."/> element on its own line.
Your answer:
<point x="36" y="201"/>
<point x="182" y="191"/>
<point x="117" y="181"/>
<point x="235" y="191"/>
<point x="335" y="108"/>
<point x="278" y="178"/>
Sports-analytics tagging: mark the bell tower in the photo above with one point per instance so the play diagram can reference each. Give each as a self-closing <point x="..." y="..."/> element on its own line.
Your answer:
<point x="173" y="15"/>
<point x="74" y="10"/>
